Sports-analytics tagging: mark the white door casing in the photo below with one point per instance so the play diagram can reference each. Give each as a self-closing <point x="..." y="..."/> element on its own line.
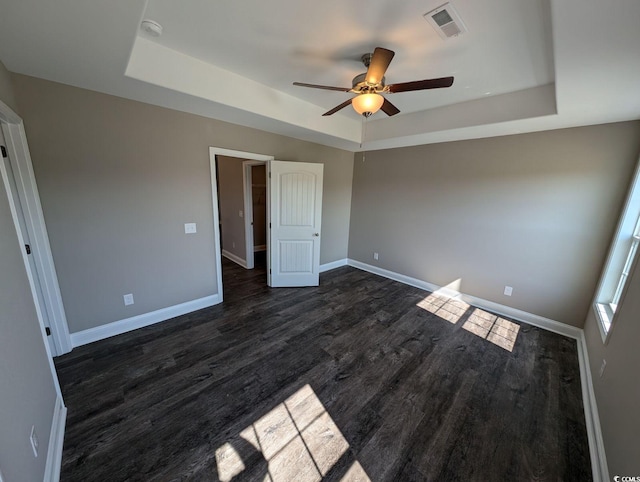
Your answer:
<point x="219" y="151"/>
<point x="26" y="210"/>
<point x="12" y="191"/>
<point x="295" y="223"/>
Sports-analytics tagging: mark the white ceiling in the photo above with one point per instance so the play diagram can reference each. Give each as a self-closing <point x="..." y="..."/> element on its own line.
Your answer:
<point x="275" y="48"/>
<point x="236" y="61"/>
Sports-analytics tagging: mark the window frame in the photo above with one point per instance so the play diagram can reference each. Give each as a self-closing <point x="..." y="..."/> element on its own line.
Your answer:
<point x="621" y="261"/>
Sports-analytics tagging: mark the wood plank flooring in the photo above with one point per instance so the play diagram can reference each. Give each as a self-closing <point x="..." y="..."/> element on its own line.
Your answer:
<point x="361" y="378"/>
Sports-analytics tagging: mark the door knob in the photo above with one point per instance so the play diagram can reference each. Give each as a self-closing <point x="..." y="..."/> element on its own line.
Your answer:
<point x="316" y="234"/>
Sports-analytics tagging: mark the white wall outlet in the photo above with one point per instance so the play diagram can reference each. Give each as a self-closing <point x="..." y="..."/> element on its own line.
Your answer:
<point x="602" y="367"/>
<point x="190" y="228"/>
<point x="508" y="290"/>
<point x="241" y="214"/>
<point x="128" y="299"/>
<point x="375" y="256"/>
<point x="34" y="440"/>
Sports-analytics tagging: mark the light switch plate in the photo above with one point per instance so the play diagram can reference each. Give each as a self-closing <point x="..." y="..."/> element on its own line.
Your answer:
<point x="190" y="228"/>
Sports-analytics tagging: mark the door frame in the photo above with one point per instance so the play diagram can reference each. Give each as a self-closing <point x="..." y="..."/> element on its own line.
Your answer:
<point x="27" y="190"/>
<point x="247" y="186"/>
<point x="251" y="156"/>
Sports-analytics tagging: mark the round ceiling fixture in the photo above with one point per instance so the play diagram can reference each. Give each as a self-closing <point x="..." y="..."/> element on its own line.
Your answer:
<point x="152" y="28"/>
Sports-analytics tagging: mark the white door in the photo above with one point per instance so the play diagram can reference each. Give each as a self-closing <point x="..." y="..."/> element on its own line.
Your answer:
<point x="295" y="221"/>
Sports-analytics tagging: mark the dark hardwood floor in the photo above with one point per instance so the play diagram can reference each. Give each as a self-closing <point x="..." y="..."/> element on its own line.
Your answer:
<point x="361" y="378"/>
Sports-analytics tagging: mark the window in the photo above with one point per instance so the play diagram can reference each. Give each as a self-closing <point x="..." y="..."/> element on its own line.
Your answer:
<point x="620" y="261"/>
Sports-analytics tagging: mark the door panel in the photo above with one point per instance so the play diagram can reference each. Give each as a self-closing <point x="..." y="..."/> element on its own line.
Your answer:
<point x="296" y="214"/>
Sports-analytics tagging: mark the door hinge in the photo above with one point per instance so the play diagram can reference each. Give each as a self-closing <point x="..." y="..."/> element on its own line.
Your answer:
<point x="269" y="174"/>
<point x="269" y="225"/>
<point x="47" y="330"/>
<point x="27" y="248"/>
<point x="269" y="270"/>
<point x="4" y="151"/>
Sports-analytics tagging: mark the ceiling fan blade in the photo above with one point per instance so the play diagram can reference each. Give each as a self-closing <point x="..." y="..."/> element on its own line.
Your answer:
<point x="389" y="109"/>
<point x="339" y="107"/>
<point x="420" y="85"/>
<point x="324" y="87"/>
<point x="378" y="66"/>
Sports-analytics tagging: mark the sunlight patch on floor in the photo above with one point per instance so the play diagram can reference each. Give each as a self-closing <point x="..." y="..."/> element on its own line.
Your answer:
<point x="356" y="474"/>
<point x="297" y="440"/>
<point x="447" y="308"/>
<point x="492" y="328"/>
<point x="445" y="302"/>
<point x="229" y="462"/>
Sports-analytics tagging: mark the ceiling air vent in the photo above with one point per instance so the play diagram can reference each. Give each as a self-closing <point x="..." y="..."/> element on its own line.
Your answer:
<point x="446" y="21"/>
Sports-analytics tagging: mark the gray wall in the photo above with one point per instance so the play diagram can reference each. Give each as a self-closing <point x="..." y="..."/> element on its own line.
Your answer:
<point x="231" y="195"/>
<point x="118" y="179"/>
<point x="532" y="211"/>
<point x="27" y="390"/>
<point x="6" y="89"/>
<point x="618" y="390"/>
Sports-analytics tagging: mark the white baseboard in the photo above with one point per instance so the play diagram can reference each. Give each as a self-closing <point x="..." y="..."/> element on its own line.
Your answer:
<point x="516" y="314"/>
<point x="529" y="318"/>
<point x="234" y="258"/>
<point x="594" y="433"/>
<point x="56" y="442"/>
<point x="333" y="265"/>
<point x="599" y="466"/>
<point x="128" y="324"/>
<point x="260" y="247"/>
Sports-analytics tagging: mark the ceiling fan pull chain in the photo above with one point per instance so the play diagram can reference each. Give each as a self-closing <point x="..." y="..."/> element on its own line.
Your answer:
<point x="364" y="130"/>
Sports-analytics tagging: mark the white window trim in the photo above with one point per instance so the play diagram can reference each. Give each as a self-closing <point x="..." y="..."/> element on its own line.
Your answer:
<point x="623" y="256"/>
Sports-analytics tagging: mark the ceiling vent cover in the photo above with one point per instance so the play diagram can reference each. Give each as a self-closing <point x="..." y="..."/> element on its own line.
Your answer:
<point x="446" y="21"/>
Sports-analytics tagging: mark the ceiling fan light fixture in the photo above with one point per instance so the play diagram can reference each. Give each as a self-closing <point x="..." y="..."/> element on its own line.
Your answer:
<point x="367" y="104"/>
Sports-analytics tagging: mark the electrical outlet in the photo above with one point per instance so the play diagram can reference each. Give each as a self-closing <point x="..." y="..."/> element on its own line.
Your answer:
<point x="375" y="256"/>
<point x="34" y="440"/>
<point x="233" y="244"/>
<point x="128" y="299"/>
<point x="508" y="290"/>
<point x="190" y="228"/>
<point x="241" y="214"/>
<point x="602" y="367"/>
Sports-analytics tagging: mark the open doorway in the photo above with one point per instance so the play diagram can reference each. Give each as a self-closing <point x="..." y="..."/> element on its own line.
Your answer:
<point x="242" y="204"/>
<point x="255" y="208"/>
<point x="232" y="184"/>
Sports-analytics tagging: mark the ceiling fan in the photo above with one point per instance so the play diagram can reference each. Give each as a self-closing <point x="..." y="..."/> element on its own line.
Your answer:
<point x="369" y="85"/>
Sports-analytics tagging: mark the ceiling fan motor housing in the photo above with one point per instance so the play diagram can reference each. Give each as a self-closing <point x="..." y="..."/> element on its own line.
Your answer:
<point x="359" y="84"/>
